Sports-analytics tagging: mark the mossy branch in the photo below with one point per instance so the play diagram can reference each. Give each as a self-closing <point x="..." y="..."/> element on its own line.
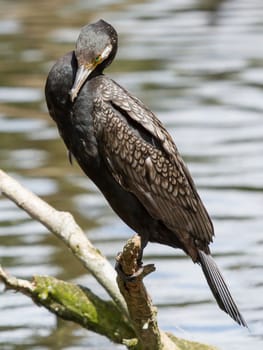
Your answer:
<point x="78" y="304"/>
<point x="138" y="329"/>
<point x="63" y="225"/>
<point x="74" y="303"/>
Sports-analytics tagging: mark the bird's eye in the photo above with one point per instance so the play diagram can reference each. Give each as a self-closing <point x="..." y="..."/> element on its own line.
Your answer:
<point x="97" y="59"/>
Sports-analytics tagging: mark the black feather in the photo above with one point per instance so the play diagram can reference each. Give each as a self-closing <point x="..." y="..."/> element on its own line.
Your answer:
<point x="126" y="151"/>
<point x="219" y="288"/>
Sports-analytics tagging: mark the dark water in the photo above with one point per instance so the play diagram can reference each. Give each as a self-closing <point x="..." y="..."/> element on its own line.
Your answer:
<point x="199" y="66"/>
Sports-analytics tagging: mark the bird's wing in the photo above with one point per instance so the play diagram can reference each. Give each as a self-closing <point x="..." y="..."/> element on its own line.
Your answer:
<point x="144" y="160"/>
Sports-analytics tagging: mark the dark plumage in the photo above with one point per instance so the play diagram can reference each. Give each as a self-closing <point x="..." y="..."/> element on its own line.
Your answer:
<point x="126" y="151"/>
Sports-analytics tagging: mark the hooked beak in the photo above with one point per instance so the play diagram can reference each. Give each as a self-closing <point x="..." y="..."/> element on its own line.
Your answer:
<point x="82" y="74"/>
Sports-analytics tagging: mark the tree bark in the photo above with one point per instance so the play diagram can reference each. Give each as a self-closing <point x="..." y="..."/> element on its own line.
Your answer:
<point x="63" y="225"/>
<point x="74" y="303"/>
<point x="135" y="326"/>
<point x="142" y="312"/>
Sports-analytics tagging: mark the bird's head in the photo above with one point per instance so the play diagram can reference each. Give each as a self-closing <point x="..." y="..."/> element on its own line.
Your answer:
<point x="95" y="49"/>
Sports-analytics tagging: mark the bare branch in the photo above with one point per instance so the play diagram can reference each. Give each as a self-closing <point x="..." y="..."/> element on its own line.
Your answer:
<point x="64" y="298"/>
<point x="66" y="229"/>
<point x="14" y="283"/>
<point x="142" y="312"/>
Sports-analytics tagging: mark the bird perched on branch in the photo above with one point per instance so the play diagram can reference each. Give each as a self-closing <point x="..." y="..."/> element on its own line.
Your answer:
<point x="126" y="151"/>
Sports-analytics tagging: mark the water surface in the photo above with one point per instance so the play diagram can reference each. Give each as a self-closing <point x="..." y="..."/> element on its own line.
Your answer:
<point x="199" y="66"/>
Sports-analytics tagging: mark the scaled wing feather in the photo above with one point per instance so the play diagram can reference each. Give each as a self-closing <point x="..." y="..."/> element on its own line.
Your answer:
<point x="157" y="176"/>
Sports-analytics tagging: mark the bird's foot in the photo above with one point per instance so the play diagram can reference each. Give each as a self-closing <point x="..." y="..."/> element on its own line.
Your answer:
<point x="140" y="272"/>
<point x="129" y="264"/>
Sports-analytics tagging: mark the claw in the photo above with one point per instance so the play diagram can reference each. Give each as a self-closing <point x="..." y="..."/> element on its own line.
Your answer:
<point x="140" y="273"/>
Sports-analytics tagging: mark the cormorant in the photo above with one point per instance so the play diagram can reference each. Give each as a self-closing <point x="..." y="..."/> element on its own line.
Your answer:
<point x="126" y="151"/>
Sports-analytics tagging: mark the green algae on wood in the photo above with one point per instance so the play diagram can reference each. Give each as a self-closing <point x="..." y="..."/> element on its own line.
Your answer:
<point x="78" y="304"/>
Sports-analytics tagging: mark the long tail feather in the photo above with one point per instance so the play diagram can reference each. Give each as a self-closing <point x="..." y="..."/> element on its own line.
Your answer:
<point x="219" y="288"/>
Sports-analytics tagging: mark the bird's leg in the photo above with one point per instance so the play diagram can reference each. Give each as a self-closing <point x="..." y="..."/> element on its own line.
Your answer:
<point x="129" y="263"/>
